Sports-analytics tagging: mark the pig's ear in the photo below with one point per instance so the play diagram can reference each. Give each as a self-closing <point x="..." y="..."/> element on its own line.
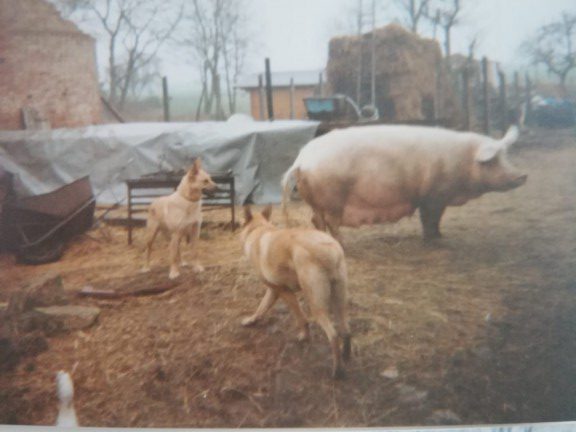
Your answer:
<point x="267" y="212"/>
<point x="490" y="149"/>
<point x="247" y="214"/>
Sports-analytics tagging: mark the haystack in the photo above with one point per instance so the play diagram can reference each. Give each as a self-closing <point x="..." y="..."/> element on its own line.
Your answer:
<point x="411" y="81"/>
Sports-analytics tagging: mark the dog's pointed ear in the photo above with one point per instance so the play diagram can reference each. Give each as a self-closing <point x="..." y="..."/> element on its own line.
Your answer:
<point x="247" y="214"/>
<point x="267" y="212"/>
<point x="195" y="168"/>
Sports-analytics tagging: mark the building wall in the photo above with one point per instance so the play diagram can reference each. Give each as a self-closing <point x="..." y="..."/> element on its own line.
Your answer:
<point x="281" y="101"/>
<point x="46" y="64"/>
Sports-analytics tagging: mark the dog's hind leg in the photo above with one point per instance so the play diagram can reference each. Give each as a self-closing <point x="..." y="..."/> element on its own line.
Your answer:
<point x="193" y="235"/>
<point x="290" y="298"/>
<point x="340" y="304"/>
<point x="265" y="304"/>
<point x="152" y="228"/>
<point x="316" y="287"/>
<point x="323" y="319"/>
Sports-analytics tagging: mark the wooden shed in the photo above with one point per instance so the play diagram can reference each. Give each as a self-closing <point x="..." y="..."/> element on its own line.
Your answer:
<point x="289" y="89"/>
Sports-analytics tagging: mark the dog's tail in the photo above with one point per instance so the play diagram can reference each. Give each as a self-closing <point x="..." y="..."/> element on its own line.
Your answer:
<point x="288" y="184"/>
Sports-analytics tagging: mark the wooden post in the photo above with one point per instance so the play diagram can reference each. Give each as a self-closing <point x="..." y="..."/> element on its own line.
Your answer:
<point x="466" y="96"/>
<point x="292" y="99"/>
<point x="261" y="99"/>
<point x="113" y="110"/>
<point x="528" y="99"/>
<point x="129" y="213"/>
<point x="486" y="97"/>
<point x="360" y="58"/>
<point x="503" y="101"/>
<point x="437" y="89"/>
<point x="166" y="99"/>
<point x="269" y="99"/>
<point x="373" y="57"/>
<point x="517" y="97"/>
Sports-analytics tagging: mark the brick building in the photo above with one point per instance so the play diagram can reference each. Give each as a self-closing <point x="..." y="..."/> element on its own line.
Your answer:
<point x="47" y="68"/>
<point x="306" y="84"/>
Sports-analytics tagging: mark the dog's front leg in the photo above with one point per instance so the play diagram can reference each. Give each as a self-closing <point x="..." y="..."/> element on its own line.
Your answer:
<point x="152" y="228"/>
<point x="265" y="304"/>
<point x="175" y="255"/>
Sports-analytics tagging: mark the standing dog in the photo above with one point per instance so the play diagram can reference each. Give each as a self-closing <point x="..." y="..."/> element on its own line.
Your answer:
<point x="179" y="215"/>
<point x="289" y="260"/>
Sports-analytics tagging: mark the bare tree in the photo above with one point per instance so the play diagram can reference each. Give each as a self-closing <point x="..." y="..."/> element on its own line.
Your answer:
<point x="472" y="45"/>
<point x="144" y="78"/>
<point x="218" y="37"/>
<point x="447" y="15"/>
<point x="414" y="11"/>
<point x="356" y="16"/>
<point x="235" y="52"/>
<point x="134" y="30"/>
<point x="554" y="46"/>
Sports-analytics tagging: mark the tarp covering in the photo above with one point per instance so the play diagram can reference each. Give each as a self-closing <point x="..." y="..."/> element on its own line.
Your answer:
<point x="257" y="153"/>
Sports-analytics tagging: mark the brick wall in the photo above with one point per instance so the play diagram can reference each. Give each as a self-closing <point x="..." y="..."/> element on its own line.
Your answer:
<point x="46" y="64"/>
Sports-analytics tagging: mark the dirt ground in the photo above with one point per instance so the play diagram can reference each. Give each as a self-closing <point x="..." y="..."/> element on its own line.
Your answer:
<point x="476" y="328"/>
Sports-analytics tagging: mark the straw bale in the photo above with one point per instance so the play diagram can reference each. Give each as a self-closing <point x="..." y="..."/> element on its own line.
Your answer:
<point x="410" y="75"/>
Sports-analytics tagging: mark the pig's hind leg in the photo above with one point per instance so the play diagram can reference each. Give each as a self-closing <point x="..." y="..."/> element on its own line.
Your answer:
<point x="326" y="222"/>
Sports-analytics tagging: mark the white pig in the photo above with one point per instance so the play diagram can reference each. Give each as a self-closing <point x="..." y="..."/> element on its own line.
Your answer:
<point x="375" y="174"/>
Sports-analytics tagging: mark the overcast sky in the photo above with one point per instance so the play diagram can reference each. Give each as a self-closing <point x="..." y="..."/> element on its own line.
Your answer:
<point x="295" y="33"/>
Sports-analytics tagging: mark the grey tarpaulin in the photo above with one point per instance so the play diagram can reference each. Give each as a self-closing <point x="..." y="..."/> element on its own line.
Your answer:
<point x="258" y="153"/>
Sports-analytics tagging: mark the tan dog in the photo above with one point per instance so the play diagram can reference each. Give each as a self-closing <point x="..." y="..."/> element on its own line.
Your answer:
<point x="179" y="215"/>
<point x="293" y="259"/>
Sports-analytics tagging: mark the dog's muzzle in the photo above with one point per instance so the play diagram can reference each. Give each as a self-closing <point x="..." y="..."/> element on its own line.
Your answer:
<point x="211" y="192"/>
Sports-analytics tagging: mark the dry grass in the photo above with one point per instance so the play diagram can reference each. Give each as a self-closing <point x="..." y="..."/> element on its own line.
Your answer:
<point x="480" y="323"/>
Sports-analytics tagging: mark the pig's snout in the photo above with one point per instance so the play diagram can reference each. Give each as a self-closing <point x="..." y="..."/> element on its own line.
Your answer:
<point x="520" y="180"/>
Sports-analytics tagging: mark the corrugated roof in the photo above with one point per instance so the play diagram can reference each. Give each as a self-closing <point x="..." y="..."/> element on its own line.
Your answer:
<point x="282" y="79"/>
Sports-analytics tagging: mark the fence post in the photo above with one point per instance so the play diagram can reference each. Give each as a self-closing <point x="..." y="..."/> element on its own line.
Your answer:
<point x="517" y="97"/>
<point x="437" y="89"/>
<point x="486" y="96"/>
<point x="466" y="96"/>
<point x="528" y="99"/>
<point x="165" y="99"/>
<point x="269" y="99"/>
<point x="292" y="99"/>
<point x="261" y="100"/>
<point x="503" y="101"/>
